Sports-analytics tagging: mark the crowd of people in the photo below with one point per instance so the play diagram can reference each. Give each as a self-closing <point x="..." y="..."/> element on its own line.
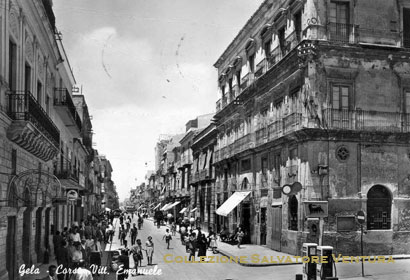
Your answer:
<point x="81" y="245"/>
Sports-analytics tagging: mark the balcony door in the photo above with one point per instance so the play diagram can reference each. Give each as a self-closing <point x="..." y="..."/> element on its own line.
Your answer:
<point x="339" y="23"/>
<point x="340" y="104"/>
<point x="406" y="27"/>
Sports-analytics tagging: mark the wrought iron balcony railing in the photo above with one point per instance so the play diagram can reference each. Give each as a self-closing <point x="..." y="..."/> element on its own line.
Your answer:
<point x="63" y="98"/>
<point x="361" y="120"/>
<point x="22" y="106"/>
<point x="67" y="174"/>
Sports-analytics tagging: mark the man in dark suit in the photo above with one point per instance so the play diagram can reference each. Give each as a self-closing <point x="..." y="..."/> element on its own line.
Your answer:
<point x="51" y="273"/>
<point x="123" y="259"/>
<point x="63" y="259"/>
<point x="57" y="241"/>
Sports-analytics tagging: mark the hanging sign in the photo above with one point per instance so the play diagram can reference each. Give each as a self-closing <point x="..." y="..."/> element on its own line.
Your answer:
<point x="72" y="195"/>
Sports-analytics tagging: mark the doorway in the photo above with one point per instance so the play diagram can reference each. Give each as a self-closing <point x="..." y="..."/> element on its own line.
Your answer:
<point x="245" y="222"/>
<point x="276" y="228"/>
<point x="263" y="226"/>
<point x="11" y="248"/>
<point x="38" y="242"/>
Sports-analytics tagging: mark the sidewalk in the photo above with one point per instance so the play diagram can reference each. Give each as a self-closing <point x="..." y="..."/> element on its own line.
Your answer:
<point x="259" y="255"/>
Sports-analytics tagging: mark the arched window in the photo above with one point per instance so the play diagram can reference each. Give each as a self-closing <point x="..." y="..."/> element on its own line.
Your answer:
<point x="245" y="184"/>
<point x="293" y="213"/>
<point x="379" y="208"/>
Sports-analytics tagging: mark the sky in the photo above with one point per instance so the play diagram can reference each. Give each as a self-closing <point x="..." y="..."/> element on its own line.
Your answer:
<point x="146" y="68"/>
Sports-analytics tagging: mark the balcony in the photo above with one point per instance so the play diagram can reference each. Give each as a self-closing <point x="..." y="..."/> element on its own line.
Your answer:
<point x="361" y="120"/>
<point x="186" y="158"/>
<point x="218" y="105"/>
<point x="204" y="174"/>
<point x="244" y="143"/>
<point x="224" y="100"/>
<point x="232" y="95"/>
<point x="65" y="107"/>
<point x="32" y="128"/>
<point x="67" y="174"/>
<point x="261" y="68"/>
<point x="195" y="177"/>
<point x="262" y="136"/>
<point x="292" y="122"/>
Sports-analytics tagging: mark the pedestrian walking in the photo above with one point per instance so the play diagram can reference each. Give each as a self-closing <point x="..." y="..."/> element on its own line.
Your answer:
<point x="167" y="237"/>
<point x="239" y="237"/>
<point x="192" y="246"/>
<point x="63" y="259"/>
<point x="137" y="254"/>
<point x="123" y="235"/>
<point x="57" y="241"/>
<point x="134" y="234"/>
<point x="140" y="221"/>
<point x="95" y="253"/>
<point x="173" y="228"/>
<point x="149" y="244"/>
<point x="212" y="242"/>
<point x="202" y="245"/>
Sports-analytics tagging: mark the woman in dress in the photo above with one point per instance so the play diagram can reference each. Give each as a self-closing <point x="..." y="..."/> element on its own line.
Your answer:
<point x="212" y="242"/>
<point x="149" y="249"/>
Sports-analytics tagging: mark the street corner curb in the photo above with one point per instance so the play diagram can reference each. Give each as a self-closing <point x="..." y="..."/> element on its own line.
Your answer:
<point x="256" y="264"/>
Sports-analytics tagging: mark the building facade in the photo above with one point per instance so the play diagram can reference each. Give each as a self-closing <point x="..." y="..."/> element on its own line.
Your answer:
<point x="203" y="176"/>
<point x="314" y="97"/>
<point x="44" y="154"/>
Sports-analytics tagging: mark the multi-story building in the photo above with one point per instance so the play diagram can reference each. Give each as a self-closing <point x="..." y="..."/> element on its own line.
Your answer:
<point x="314" y="97"/>
<point x="44" y="153"/>
<point x="108" y="188"/>
<point x="203" y="175"/>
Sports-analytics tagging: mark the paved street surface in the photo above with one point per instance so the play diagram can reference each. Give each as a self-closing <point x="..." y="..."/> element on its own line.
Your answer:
<point x="400" y="270"/>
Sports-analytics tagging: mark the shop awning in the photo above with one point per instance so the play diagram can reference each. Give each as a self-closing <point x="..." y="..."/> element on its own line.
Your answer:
<point x="158" y="205"/>
<point x="172" y="205"/>
<point x="277" y="204"/>
<point x="165" y="206"/>
<point x="193" y="210"/>
<point x="231" y="203"/>
<point x="183" y="210"/>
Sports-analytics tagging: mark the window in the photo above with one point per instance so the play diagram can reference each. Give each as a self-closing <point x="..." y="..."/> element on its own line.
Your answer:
<point x="39" y="92"/>
<point x="12" y="65"/>
<point x="339" y="21"/>
<point x="293" y="153"/>
<point x="407" y="101"/>
<point x="297" y="19"/>
<point x="281" y="37"/>
<point x="378" y="208"/>
<point x="27" y="78"/>
<point x="340" y="97"/>
<point x="251" y="61"/>
<point x="293" y="213"/>
<point x="13" y="161"/>
<point x="267" y="48"/>
<point x="245" y="184"/>
<point x="48" y="105"/>
<point x="238" y="77"/>
<point x="245" y="165"/>
<point x="406" y="27"/>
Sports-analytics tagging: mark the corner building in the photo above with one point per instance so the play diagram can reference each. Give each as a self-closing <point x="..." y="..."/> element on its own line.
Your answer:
<point x="318" y="92"/>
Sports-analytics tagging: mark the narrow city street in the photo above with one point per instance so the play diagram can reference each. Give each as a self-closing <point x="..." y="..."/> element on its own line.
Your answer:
<point x="190" y="271"/>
